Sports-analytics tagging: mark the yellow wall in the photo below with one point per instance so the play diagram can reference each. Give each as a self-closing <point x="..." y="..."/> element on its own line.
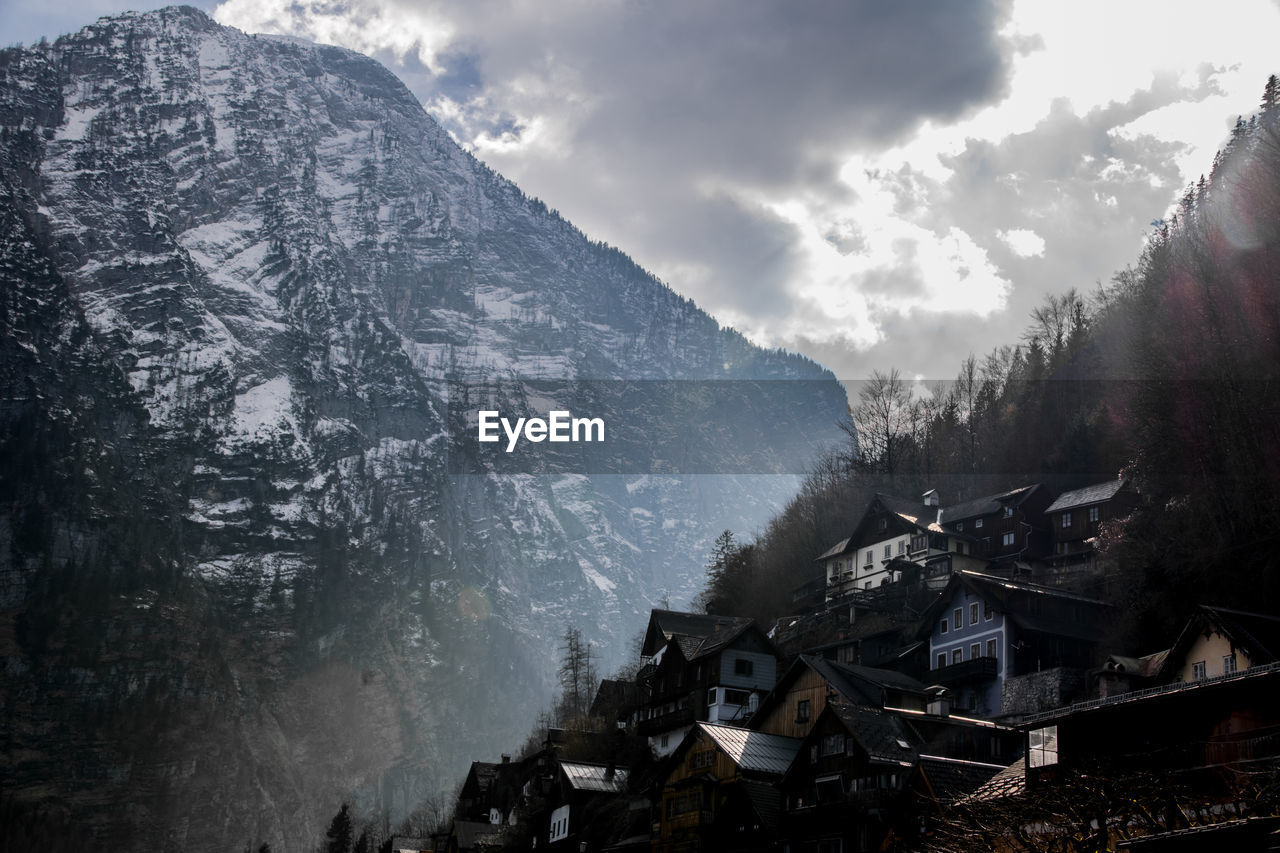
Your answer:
<point x="1211" y="649"/>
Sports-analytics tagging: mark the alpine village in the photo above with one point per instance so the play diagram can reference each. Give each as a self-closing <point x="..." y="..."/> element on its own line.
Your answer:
<point x="905" y="660"/>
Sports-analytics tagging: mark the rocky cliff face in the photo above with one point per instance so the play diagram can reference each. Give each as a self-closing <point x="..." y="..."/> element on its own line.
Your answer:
<point x="249" y="564"/>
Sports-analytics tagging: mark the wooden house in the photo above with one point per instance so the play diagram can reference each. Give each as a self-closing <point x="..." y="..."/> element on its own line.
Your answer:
<point x="1076" y="517"/>
<point x="700" y="668"/>
<point x="721" y="791"/>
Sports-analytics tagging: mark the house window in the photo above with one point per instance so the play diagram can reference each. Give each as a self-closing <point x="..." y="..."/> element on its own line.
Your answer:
<point x="884" y="523"/>
<point x="919" y="543"/>
<point x="973" y="613"/>
<point x="832" y="744"/>
<point x="1093" y="513"/>
<point x="866" y="585"/>
<point x="1197" y="671"/>
<point x="704" y="758"/>
<point x="957" y="655"/>
<point x="992" y="645"/>
<point x="802" y="711"/>
<point x="888" y="550"/>
<point x="1007" y="539"/>
<point x="942" y="660"/>
<point x="665" y="740"/>
<point x="742" y="666"/>
<point x="868" y="557"/>
<point x="977" y="522"/>
<point x="1228" y="664"/>
<point x="559" y="823"/>
<point x="711" y="696"/>
<point x="960" y="526"/>
<point x="957" y="618"/>
<point x="975" y="651"/>
<point x="959" y="547"/>
<point x="902" y="547"/>
<point x="736" y="697"/>
<point x="1008" y="512"/>
<point x="1066" y="519"/>
<point x="1042" y="746"/>
<point x="942" y="626"/>
<point x="987" y="613"/>
<point x="690" y="801"/>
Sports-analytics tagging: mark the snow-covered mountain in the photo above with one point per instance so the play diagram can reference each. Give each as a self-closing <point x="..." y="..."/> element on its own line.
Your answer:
<point x="249" y="564"/>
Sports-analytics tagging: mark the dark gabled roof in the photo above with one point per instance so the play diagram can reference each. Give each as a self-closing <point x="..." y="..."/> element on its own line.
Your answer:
<point x="1000" y="592"/>
<point x="986" y="505"/>
<point x="921" y="515"/>
<point x="723" y="639"/>
<point x="931" y="518"/>
<point x="858" y="685"/>
<point x="665" y="624"/>
<point x="882" y="736"/>
<point x="479" y="778"/>
<point x="766" y="799"/>
<point x="614" y="693"/>
<point x="835" y="549"/>
<point x="1256" y="633"/>
<point x="1097" y="493"/>
<point x="950" y="779"/>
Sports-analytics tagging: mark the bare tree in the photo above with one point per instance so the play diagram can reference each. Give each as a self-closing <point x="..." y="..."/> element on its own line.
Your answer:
<point x="882" y="420"/>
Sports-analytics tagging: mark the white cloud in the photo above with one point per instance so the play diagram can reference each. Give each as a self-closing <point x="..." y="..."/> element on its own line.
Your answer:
<point x="854" y="183"/>
<point x="1023" y="242"/>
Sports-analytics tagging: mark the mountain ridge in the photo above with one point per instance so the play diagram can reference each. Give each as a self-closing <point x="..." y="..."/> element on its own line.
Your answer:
<point x="239" y="574"/>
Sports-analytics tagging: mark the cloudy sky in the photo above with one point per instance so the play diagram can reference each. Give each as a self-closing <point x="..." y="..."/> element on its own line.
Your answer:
<point x="874" y="184"/>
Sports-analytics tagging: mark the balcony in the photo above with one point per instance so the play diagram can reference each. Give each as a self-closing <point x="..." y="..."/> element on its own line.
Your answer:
<point x="976" y="669"/>
<point x="666" y="722"/>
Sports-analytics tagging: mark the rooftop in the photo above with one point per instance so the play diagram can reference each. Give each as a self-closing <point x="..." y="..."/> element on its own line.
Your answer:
<point x="751" y="750"/>
<point x="594" y="777"/>
<point x="1097" y="493"/>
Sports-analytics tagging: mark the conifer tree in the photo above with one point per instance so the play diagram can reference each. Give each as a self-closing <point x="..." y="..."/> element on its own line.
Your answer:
<point x="339" y="833"/>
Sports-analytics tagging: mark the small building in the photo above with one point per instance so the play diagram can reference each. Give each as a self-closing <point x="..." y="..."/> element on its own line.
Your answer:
<point x="1217" y="641"/>
<point x="721" y="792"/>
<point x="898" y="539"/>
<point x="812" y="683"/>
<point x="576" y="788"/>
<point x="700" y="668"/>
<point x="1076" y="517"/>
<point x="984" y="630"/>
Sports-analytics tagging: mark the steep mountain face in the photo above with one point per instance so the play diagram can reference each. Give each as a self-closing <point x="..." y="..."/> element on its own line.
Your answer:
<point x="250" y="565"/>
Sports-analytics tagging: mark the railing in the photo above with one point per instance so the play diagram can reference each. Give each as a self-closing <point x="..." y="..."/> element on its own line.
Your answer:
<point x="666" y="722"/>
<point x="1149" y="691"/>
<point x="975" y="668"/>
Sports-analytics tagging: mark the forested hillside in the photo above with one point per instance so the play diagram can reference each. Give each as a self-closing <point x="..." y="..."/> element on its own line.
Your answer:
<point x="1167" y="374"/>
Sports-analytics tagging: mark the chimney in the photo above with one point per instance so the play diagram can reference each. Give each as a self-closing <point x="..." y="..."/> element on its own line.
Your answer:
<point x="506" y="759"/>
<point x="939" y="701"/>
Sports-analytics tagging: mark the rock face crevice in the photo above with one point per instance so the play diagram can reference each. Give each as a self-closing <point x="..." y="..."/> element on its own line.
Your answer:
<point x="248" y="567"/>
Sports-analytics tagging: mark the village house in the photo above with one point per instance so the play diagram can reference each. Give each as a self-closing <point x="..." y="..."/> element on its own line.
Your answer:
<point x="1191" y="754"/>
<point x="863" y="775"/>
<point x="812" y="683"/>
<point x="1076" y="517"/>
<point x="700" y="668"/>
<point x="897" y="539"/>
<point x="576" y="788"/>
<point x="721" y="793"/>
<point x="983" y="631"/>
<point x="1217" y="641"/>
